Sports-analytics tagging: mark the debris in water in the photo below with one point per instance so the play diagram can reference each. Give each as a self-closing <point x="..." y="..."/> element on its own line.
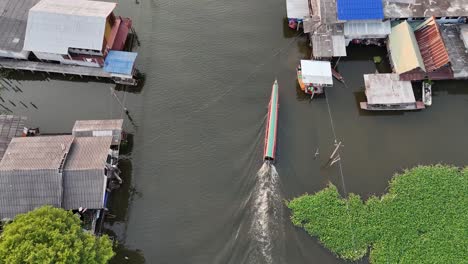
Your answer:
<point x="33" y="105"/>
<point x="6" y="108"/>
<point x="12" y="103"/>
<point x="1" y="98"/>
<point x="23" y="104"/>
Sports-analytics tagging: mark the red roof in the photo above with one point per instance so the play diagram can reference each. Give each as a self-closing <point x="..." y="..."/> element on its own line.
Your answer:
<point x="431" y="45"/>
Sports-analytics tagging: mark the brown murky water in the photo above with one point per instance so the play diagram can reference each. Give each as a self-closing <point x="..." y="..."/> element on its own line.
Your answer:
<point x="193" y="193"/>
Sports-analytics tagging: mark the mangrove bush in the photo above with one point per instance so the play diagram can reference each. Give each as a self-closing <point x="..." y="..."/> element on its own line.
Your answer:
<point x="422" y="219"/>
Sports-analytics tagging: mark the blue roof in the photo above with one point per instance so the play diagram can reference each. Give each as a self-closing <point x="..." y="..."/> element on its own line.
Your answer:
<point x="120" y="62"/>
<point x="359" y="9"/>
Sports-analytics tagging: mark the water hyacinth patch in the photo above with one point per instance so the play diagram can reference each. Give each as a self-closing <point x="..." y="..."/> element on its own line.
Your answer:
<point x="422" y="219"/>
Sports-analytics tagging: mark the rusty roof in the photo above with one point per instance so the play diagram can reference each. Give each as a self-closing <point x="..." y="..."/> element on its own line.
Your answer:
<point x="431" y="45"/>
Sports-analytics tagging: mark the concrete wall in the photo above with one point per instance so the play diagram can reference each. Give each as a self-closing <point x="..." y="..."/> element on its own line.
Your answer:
<point x="23" y="55"/>
<point x="61" y="59"/>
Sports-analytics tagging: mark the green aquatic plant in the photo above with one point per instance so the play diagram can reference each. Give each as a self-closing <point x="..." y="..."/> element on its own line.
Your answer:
<point x="422" y="219"/>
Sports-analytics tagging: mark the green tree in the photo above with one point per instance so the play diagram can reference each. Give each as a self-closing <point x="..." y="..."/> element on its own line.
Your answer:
<point x="51" y="235"/>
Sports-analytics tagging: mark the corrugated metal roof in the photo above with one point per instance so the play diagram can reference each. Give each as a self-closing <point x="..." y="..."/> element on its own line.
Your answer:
<point x="13" y="17"/>
<point x="83" y="177"/>
<point x="328" y="11"/>
<point x="328" y="41"/>
<point x="75" y="7"/>
<point x="88" y="153"/>
<point x="367" y="29"/>
<point x="98" y="125"/>
<point x="404" y="50"/>
<point x="10" y="127"/>
<point x="456" y="49"/>
<point x="120" y="62"/>
<point x="297" y="9"/>
<point x="316" y="72"/>
<point x="339" y="46"/>
<point x="359" y="9"/>
<point x="425" y="8"/>
<point x="431" y="45"/>
<point x="23" y="190"/>
<point x="54" y="26"/>
<point x="36" y="153"/>
<point x="388" y="89"/>
<point x="83" y="188"/>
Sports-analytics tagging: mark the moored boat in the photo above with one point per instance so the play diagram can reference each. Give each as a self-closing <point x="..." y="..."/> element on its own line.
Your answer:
<point x="427" y="93"/>
<point x="313" y="76"/>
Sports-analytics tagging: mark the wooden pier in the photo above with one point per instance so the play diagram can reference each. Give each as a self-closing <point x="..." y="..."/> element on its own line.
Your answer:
<point x="48" y="67"/>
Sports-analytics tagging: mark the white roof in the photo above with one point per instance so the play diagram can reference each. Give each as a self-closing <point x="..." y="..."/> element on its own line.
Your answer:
<point x="54" y="26"/>
<point x="339" y="46"/>
<point x="464" y="34"/>
<point x="361" y="29"/>
<point x="388" y="89"/>
<point x="75" y="7"/>
<point x="297" y="8"/>
<point x="316" y="72"/>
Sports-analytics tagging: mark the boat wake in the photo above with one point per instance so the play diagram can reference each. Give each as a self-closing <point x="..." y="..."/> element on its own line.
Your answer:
<point x="266" y="208"/>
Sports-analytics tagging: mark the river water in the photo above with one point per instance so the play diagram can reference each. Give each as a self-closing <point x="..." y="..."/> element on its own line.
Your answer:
<point x="195" y="190"/>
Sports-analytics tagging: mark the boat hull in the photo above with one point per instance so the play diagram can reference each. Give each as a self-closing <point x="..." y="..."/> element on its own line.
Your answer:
<point x="269" y="151"/>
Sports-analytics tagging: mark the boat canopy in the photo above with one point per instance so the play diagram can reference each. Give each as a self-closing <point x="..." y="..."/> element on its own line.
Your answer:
<point x="316" y="72"/>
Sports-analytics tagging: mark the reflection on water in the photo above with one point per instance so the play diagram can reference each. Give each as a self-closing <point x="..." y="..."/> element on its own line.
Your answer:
<point x="119" y="201"/>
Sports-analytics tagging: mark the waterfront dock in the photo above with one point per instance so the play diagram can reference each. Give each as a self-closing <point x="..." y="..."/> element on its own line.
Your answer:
<point x="425" y="40"/>
<point x="49" y="67"/>
<point x="82" y="38"/>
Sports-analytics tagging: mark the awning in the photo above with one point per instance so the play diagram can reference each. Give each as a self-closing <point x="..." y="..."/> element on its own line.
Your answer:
<point x="316" y="72"/>
<point x="120" y="62"/>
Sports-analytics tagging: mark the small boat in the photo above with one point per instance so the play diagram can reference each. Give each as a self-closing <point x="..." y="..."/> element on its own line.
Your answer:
<point x="269" y="149"/>
<point x="427" y="93"/>
<point x="337" y="75"/>
<point x="299" y="78"/>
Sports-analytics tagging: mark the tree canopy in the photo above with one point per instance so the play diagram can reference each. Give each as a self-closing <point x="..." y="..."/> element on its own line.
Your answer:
<point x="51" y="235"/>
<point x="422" y="219"/>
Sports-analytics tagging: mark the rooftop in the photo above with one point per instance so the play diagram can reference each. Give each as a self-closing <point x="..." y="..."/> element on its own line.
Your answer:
<point x="36" y="153"/>
<point x="120" y="62"/>
<point x="367" y="29"/>
<point x="388" y="89"/>
<point x="10" y="127"/>
<point x="88" y="153"/>
<point x="456" y="50"/>
<point x="328" y="11"/>
<point x="75" y="7"/>
<point x="360" y="9"/>
<point x="431" y="45"/>
<point x="54" y="26"/>
<point x="13" y="17"/>
<point x="425" y="8"/>
<point x="98" y="125"/>
<point x="328" y="41"/>
<point x="297" y="9"/>
<point x="316" y="72"/>
<point x="404" y="50"/>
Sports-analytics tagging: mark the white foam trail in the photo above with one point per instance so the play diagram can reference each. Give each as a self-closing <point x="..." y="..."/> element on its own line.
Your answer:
<point x="266" y="205"/>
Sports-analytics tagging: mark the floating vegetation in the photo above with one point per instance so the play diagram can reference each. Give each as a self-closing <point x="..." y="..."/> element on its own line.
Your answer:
<point x="422" y="219"/>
